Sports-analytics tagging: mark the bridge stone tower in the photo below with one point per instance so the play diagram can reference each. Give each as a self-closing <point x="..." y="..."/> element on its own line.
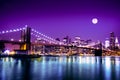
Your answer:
<point x="26" y="39"/>
<point x="98" y="52"/>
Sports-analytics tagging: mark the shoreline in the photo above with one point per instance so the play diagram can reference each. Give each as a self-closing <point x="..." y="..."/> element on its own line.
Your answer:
<point x="38" y="56"/>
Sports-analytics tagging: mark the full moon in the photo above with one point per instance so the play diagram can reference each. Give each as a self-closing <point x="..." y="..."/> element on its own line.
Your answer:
<point x="94" y="20"/>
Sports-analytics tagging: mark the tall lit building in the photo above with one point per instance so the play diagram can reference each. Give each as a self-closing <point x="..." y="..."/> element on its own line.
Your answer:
<point x="116" y="42"/>
<point x="112" y="41"/>
<point x="67" y="40"/>
<point x="107" y="43"/>
<point x="77" y="39"/>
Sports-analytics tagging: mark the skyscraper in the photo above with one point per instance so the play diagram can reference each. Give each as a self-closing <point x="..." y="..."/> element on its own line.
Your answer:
<point x="107" y="43"/>
<point x="112" y="41"/>
<point x="116" y="42"/>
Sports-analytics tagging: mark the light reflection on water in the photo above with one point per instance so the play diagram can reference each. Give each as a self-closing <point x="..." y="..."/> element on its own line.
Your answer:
<point x="60" y="68"/>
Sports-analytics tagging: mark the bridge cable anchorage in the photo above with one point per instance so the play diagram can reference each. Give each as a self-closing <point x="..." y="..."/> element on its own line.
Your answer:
<point x="45" y="37"/>
<point x="12" y="30"/>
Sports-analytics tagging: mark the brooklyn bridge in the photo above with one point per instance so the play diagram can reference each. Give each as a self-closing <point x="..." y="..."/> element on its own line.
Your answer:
<point x="32" y="41"/>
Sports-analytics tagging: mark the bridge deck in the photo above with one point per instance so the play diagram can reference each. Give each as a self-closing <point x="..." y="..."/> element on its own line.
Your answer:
<point x="13" y="42"/>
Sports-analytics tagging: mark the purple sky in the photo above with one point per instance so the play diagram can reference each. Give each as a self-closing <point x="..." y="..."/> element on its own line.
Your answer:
<point x="59" y="18"/>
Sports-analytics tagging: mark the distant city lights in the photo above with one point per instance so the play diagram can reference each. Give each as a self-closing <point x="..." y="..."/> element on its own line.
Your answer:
<point x="77" y="40"/>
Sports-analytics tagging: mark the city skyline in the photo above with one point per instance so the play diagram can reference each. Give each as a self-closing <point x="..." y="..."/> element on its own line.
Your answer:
<point x="63" y="18"/>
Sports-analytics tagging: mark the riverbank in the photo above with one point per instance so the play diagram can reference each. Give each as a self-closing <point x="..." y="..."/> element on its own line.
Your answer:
<point x="114" y="53"/>
<point x="28" y="55"/>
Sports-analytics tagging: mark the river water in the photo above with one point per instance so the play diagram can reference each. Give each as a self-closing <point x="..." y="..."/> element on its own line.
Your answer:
<point x="60" y="68"/>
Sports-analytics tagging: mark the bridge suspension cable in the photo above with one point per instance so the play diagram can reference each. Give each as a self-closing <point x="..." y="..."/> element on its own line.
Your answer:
<point x="44" y="37"/>
<point x="35" y="33"/>
<point x="12" y="30"/>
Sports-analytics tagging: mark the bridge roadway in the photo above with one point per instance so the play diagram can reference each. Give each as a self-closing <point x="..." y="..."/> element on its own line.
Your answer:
<point x="52" y="45"/>
<point x="18" y="42"/>
<point x="46" y="44"/>
<point x="12" y="42"/>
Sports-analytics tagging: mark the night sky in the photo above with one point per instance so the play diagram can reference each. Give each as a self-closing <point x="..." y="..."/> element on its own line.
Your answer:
<point x="59" y="18"/>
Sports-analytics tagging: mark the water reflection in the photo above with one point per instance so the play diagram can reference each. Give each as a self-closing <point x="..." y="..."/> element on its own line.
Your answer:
<point x="60" y="68"/>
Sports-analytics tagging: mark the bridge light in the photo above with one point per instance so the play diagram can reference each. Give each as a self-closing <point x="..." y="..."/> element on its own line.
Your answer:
<point x="11" y="31"/>
<point x="49" y="37"/>
<point x="12" y="39"/>
<point x="42" y="34"/>
<point x="35" y="31"/>
<point x="18" y="29"/>
<point x="36" y="35"/>
<point x="19" y="40"/>
<point x="60" y="43"/>
<point x="14" y="30"/>
<point x="52" y="39"/>
<point x="23" y="28"/>
<point x="45" y="35"/>
<point x="7" y="31"/>
<point x="32" y="29"/>
<point x="26" y="26"/>
<point x="3" y="32"/>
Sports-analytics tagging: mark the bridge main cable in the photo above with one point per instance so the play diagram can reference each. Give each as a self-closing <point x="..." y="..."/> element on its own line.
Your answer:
<point x="44" y="37"/>
<point x="12" y="30"/>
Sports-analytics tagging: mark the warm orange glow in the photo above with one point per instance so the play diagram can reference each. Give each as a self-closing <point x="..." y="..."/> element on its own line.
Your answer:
<point x="23" y="47"/>
<point x="12" y="53"/>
